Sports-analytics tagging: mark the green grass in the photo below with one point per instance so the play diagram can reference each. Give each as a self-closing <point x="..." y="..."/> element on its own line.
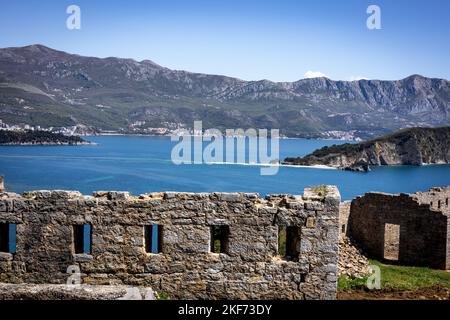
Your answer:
<point x="321" y="191"/>
<point x="345" y="283"/>
<point x="400" y="277"/>
<point x="162" y="296"/>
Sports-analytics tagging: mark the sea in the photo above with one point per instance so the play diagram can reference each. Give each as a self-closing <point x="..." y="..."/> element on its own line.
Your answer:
<point x="143" y="164"/>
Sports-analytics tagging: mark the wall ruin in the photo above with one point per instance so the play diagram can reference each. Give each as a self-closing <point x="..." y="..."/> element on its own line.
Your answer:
<point x="344" y="214"/>
<point x="405" y="229"/>
<point x="250" y="267"/>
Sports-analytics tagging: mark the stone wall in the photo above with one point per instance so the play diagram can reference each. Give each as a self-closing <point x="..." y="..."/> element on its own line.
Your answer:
<point x="409" y="229"/>
<point x="250" y="268"/>
<point x="344" y="213"/>
<point x="2" y="184"/>
<point x="437" y="198"/>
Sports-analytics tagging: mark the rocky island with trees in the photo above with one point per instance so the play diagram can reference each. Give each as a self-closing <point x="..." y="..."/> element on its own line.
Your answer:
<point x="412" y="146"/>
<point x="29" y="137"/>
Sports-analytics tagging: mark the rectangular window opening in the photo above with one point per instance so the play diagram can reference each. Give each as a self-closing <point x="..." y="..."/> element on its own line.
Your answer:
<point x="153" y="238"/>
<point x="391" y="241"/>
<point x="219" y="239"/>
<point x="289" y="242"/>
<point x="8" y="237"/>
<point x="82" y="238"/>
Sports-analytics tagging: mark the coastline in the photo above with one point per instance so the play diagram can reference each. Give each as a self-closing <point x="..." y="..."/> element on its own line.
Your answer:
<point x="43" y="144"/>
<point x="323" y="167"/>
<point x="191" y="135"/>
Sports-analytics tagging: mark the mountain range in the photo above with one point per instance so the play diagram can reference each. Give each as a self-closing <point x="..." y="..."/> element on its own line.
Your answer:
<point x="46" y="87"/>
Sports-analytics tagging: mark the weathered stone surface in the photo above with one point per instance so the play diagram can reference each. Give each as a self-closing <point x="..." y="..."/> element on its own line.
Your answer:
<point x="73" y="292"/>
<point x="353" y="262"/>
<point x="4" y="256"/>
<point x="249" y="269"/>
<point x="410" y="229"/>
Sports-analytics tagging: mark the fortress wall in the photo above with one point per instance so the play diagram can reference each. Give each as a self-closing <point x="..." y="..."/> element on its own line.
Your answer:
<point x="250" y="268"/>
<point x="402" y="228"/>
<point x="344" y="214"/>
<point x="437" y="198"/>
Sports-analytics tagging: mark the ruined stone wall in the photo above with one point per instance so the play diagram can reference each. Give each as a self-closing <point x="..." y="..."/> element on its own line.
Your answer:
<point x="437" y="198"/>
<point x="2" y="184"/>
<point x="422" y="232"/>
<point x="250" y="269"/>
<point x="344" y="214"/>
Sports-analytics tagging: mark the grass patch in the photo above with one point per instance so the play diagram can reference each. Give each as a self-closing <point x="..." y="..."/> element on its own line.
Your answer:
<point x="321" y="191"/>
<point x="345" y="283"/>
<point x="400" y="277"/>
<point x="162" y="296"/>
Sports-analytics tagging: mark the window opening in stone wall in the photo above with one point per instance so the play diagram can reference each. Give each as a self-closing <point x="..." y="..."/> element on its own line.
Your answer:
<point x="8" y="237"/>
<point x="391" y="241"/>
<point x="289" y="242"/>
<point x="439" y="204"/>
<point x="153" y="238"/>
<point x="219" y="239"/>
<point x="82" y="238"/>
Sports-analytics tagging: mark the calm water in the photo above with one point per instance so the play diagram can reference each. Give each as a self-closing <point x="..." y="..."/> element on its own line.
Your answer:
<point x="142" y="164"/>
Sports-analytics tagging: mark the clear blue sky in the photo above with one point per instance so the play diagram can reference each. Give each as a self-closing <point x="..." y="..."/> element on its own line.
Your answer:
<point x="278" y="40"/>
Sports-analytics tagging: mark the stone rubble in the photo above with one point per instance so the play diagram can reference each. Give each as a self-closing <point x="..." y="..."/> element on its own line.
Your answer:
<point x="352" y="261"/>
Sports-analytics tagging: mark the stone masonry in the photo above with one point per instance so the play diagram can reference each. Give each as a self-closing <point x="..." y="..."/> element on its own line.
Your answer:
<point x="402" y="228"/>
<point x="353" y="262"/>
<point x="251" y="267"/>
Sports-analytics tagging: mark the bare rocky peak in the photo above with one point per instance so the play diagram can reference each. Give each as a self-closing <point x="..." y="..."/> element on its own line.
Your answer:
<point x="419" y="91"/>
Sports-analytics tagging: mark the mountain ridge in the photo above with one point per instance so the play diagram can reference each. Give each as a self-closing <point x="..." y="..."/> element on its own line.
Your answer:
<point x="39" y="46"/>
<point x="114" y="94"/>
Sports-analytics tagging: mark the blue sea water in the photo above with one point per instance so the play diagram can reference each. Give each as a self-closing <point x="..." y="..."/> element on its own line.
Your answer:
<point x="142" y="164"/>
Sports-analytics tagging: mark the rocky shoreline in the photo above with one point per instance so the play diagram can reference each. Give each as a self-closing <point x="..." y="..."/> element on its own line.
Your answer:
<point x="414" y="146"/>
<point x="84" y="143"/>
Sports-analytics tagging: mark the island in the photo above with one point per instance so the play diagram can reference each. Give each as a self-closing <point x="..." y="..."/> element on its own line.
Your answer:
<point x="29" y="137"/>
<point x="412" y="146"/>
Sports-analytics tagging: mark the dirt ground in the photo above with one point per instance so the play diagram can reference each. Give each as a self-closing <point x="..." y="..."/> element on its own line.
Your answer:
<point x="431" y="293"/>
